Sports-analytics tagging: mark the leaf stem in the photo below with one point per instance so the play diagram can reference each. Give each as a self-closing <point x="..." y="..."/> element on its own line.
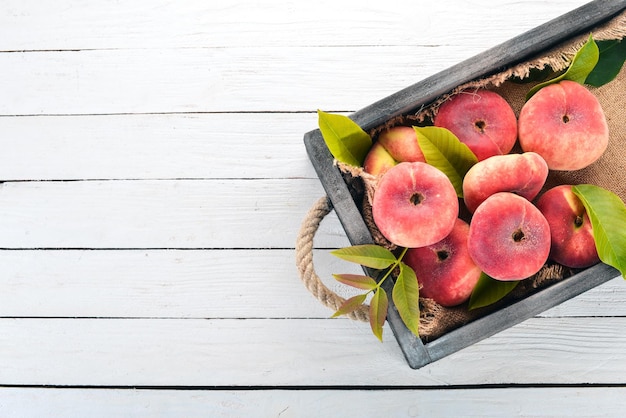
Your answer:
<point x="391" y="268"/>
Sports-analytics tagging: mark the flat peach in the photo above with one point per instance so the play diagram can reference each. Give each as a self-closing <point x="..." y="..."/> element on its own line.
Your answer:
<point x="394" y="145"/>
<point x="573" y="244"/>
<point x="415" y="205"/>
<point x="509" y="238"/>
<point x="523" y="174"/>
<point x="565" y="124"/>
<point x="482" y="119"/>
<point x="446" y="272"/>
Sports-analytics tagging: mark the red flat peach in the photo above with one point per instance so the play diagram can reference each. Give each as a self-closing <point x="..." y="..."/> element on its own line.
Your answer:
<point x="482" y="120"/>
<point x="565" y="124"/>
<point x="415" y="205"/>
<point x="446" y="272"/>
<point x="509" y="238"/>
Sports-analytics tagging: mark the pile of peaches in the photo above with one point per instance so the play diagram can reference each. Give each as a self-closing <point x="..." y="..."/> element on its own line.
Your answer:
<point x="515" y="225"/>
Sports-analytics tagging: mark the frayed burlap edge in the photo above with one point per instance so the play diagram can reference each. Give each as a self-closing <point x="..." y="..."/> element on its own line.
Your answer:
<point x="436" y="320"/>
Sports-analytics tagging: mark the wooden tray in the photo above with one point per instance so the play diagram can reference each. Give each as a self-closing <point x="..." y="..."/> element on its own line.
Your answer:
<point x="407" y="101"/>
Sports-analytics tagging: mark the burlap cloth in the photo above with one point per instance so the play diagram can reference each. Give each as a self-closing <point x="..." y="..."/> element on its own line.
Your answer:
<point x="513" y="84"/>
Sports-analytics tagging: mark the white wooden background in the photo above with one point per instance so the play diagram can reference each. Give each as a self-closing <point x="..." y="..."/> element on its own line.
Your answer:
<point x="153" y="182"/>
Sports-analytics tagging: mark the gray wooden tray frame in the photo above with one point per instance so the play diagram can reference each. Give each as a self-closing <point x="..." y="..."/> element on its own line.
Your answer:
<point x="408" y="100"/>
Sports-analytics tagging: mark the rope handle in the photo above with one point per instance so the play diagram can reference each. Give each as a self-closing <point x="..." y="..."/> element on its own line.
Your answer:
<point x="304" y="261"/>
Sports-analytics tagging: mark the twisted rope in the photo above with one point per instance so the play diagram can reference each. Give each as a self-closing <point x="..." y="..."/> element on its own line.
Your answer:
<point x="304" y="261"/>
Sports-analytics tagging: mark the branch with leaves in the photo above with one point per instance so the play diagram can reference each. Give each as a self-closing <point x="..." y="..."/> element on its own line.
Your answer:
<point x="405" y="292"/>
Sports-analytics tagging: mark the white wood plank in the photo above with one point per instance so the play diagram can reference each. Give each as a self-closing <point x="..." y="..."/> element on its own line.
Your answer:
<point x="71" y="24"/>
<point x="541" y="350"/>
<point x="482" y="403"/>
<point x="197" y="284"/>
<point x="236" y="213"/>
<point x="185" y="352"/>
<point x="269" y="352"/>
<point x="605" y="300"/>
<point x="162" y="284"/>
<point x="225" y="145"/>
<point x="213" y="79"/>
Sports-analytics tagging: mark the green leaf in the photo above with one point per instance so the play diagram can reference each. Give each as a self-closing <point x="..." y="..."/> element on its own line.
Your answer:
<point x="443" y="150"/>
<point x="345" y="139"/>
<point x="607" y="214"/>
<point x="612" y="57"/>
<point x="356" y="280"/>
<point x="489" y="290"/>
<point x="584" y="62"/>
<point x="350" y="305"/>
<point x="581" y="66"/>
<point x="405" y="295"/>
<point x="368" y="255"/>
<point x="378" y="312"/>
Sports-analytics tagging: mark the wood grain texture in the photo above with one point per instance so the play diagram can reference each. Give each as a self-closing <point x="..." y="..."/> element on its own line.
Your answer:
<point x="162" y="284"/>
<point x="160" y="214"/>
<point x="168" y="146"/>
<point x="275" y="352"/>
<point x="242" y="79"/>
<point x="71" y="24"/>
<point x="479" y="403"/>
